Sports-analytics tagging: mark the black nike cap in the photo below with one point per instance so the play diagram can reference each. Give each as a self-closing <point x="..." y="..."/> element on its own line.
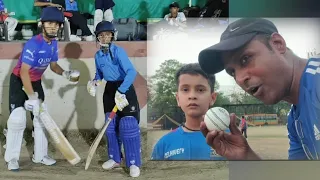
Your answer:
<point x="237" y="34"/>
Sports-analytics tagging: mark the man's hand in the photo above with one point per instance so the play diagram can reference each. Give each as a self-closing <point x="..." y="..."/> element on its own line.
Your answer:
<point x="232" y="146"/>
<point x="33" y="104"/>
<point x="121" y="101"/>
<point x="4" y="13"/>
<point x="55" y="5"/>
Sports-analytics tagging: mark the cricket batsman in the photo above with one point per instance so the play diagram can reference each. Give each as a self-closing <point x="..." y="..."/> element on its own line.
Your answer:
<point x="40" y="51"/>
<point x="113" y="65"/>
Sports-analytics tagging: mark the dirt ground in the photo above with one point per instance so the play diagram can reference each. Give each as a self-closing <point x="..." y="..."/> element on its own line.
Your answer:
<point x="268" y="142"/>
<point x="271" y="143"/>
<point x="63" y="170"/>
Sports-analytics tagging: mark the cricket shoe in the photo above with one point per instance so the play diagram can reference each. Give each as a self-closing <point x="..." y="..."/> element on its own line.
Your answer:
<point x="46" y="161"/>
<point x="13" y="165"/>
<point x="134" y="171"/>
<point x="88" y="38"/>
<point x="110" y="164"/>
<point x="74" y="38"/>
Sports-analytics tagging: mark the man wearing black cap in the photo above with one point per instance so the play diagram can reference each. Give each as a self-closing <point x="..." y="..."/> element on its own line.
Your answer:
<point x="255" y="54"/>
<point x="175" y="18"/>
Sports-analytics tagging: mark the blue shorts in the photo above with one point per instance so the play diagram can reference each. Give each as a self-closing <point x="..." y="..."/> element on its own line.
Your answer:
<point x="104" y="4"/>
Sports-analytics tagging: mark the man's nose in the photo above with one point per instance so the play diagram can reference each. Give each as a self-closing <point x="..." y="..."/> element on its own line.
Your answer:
<point x="242" y="77"/>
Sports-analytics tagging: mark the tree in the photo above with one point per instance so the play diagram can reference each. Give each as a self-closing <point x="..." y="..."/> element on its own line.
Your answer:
<point x="163" y="86"/>
<point x="312" y="53"/>
<point x="239" y="96"/>
<point x="221" y="97"/>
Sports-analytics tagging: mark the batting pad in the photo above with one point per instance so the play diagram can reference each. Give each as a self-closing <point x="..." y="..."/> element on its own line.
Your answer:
<point x="130" y="135"/>
<point x="40" y="140"/>
<point x="16" y="125"/>
<point x="113" y="143"/>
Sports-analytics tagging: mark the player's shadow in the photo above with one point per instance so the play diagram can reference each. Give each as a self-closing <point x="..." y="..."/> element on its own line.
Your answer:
<point x="4" y="115"/>
<point x="85" y="105"/>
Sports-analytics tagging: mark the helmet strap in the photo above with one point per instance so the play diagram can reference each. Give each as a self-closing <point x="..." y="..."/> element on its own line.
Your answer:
<point x="104" y="47"/>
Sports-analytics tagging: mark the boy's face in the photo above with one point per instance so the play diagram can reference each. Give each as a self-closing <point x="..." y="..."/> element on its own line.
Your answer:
<point x="51" y="28"/>
<point x="174" y="10"/>
<point x="263" y="73"/>
<point x="105" y="37"/>
<point x="194" y="95"/>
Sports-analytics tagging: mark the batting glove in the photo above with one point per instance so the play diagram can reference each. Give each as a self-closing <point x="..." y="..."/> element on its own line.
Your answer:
<point x="121" y="101"/>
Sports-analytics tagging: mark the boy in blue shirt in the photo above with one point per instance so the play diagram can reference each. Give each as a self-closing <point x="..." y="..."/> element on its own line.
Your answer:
<point x="77" y="21"/>
<point x="195" y="95"/>
<point x="114" y="66"/>
<point x="256" y="55"/>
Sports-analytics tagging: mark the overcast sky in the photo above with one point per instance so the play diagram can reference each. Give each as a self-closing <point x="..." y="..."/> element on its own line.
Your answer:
<point x="301" y="35"/>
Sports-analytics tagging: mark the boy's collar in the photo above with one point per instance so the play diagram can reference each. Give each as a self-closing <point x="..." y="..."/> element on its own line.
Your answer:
<point x="184" y="125"/>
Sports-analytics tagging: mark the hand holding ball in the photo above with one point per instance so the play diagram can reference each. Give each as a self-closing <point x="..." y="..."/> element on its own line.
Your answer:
<point x="217" y="118"/>
<point x="72" y="75"/>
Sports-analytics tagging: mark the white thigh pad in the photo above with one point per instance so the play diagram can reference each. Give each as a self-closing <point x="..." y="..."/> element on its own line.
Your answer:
<point x="16" y="125"/>
<point x="108" y="15"/>
<point x="98" y="17"/>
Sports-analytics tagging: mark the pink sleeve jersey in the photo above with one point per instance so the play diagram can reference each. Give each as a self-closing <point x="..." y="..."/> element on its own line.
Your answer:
<point x="38" y="54"/>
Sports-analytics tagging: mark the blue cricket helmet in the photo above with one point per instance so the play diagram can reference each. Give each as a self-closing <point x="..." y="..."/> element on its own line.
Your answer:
<point x="104" y="26"/>
<point x="52" y="14"/>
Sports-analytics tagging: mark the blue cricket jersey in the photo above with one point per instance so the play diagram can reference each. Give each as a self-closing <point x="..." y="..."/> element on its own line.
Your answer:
<point x="2" y="7"/>
<point x="181" y="145"/>
<point x="71" y="6"/>
<point x="119" y="68"/>
<point x="304" y="118"/>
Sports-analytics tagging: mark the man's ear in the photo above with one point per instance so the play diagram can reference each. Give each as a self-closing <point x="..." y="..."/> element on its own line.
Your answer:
<point x="213" y="98"/>
<point x="177" y="99"/>
<point x="278" y="43"/>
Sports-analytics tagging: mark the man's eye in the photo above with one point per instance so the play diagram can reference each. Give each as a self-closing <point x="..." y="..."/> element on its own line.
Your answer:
<point x="244" y="60"/>
<point x="231" y="72"/>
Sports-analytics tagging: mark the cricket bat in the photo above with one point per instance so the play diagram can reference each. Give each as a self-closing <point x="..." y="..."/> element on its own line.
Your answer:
<point x="96" y="142"/>
<point x="59" y="140"/>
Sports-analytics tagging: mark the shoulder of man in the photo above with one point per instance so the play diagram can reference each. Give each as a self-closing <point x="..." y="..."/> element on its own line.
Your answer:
<point x="311" y="76"/>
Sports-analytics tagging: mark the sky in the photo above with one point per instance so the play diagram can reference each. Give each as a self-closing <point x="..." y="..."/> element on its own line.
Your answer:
<point x="301" y="35"/>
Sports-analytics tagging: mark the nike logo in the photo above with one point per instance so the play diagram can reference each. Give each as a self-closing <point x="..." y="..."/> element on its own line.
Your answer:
<point x="231" y="30"/>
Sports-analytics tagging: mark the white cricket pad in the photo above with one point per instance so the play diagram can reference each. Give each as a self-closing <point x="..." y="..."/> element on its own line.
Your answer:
<point x="16" y="126"/>
<point x="98" y="17"/>
<point x="108" y="15"/>
<point x="40" y="140"/>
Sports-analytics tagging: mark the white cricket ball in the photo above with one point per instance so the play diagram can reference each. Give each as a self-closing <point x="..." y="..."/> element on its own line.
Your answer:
<point x="74" y="76"/>
<point x="217" y="118"/>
